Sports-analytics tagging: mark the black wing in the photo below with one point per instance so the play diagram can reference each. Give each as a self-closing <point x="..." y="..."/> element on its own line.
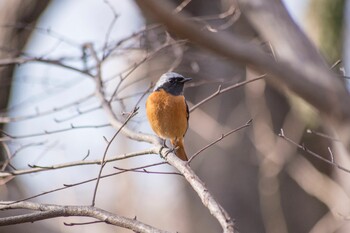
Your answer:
<point x="187" y="115"/>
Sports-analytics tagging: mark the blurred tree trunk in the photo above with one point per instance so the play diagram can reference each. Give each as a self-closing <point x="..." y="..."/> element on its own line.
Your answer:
<point x="15" y="16"/>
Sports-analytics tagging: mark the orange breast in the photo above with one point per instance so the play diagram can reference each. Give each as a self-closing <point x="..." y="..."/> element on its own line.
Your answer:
<point x="167" y="114"/>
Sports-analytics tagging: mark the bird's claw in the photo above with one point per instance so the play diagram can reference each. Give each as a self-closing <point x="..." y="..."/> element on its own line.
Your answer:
<point x="164" y="146"/>
<point x="172" y="150"/>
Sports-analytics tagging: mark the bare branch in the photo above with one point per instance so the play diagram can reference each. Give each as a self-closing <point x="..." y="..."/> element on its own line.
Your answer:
<point x="47" y="211"/>
<point x="110" y="27"/>
<point x="219" y="139"/>
<point x="46" y="132"/>
<point x="322" y="135"/>
<point x="220" y="91"/>
<point x="144" y="170"/>
<point x="206" y="197"/>
<point x="67" y="186"/>
<point x="304" y="148"/>
<point x="182" y="5"/>
<point x="36" y="168"/>
<point x="103" y="162"/>
<point x="116" y="124"/>
<point x="336" y="63"/>
<point x="7" y="119"/>
<point x="23" y="60"/>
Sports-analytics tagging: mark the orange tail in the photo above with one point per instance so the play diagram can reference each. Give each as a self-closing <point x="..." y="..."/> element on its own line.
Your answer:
<point x="180" y="150"/>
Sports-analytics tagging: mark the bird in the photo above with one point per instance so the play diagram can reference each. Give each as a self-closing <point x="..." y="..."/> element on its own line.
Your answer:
<point x="167" y="111"/>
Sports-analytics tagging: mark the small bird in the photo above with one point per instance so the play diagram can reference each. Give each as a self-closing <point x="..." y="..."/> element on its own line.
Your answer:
<point x="167" y="111"/>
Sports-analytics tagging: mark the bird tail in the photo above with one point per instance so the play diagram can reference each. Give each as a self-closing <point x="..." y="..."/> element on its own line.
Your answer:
<point x="180" y="150"/>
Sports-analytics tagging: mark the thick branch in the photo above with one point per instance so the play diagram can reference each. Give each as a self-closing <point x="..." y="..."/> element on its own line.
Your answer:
<point x="330" y="93"/>
<point x="272" y="20"/>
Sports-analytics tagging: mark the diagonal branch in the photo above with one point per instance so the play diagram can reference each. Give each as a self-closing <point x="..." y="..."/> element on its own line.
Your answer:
<point x="208" y="200"/>
<point x="320" y="157"/>
<point x="220" y="91"/>
<point x="66" y="186"/>
<point x="248" y="123"/>
<point x="103" y="162"/>
<point x="283" y="72"/>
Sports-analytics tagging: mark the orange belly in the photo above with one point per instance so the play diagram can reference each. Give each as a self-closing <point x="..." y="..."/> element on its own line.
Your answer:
<point x="167" y="114"/>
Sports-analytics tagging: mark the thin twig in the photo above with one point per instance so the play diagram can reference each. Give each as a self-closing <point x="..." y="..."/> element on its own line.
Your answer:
<point x="110" y="28"/>
<point x="103" y="163"/>
<point x="67" y="186"/>
<point x="304" y="148"/>
<point x="331" y="154"/>
<point x="336" y="63"/>
<point x="7" y="119"/>
<point x="77" y="114"/>
<point x="23" y="60"/>
<point x="220" y="91"/>
<point x="219" y="139"/>
<point x="37" y="168"/>
<point x="142" y="61"/>
<point x="82" y="223"/>
<point x="182" y="5"/>
<point x="44" y="31"/>
<point x="322" y="135"/>
<point x="143" y="170"/>
<point x="46" y="132"/>
<point x="8" y="155"/>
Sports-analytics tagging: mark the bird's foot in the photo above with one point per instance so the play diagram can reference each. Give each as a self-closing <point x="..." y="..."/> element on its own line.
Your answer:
<point x="170" y="150"/>
<point x="164" y="143"/>
<point x="164" y="146"/>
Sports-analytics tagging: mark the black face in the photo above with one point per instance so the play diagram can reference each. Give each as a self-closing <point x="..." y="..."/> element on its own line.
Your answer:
<point x="173" y="85"/>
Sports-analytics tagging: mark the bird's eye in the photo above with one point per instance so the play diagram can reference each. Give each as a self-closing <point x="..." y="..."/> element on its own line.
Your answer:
<point x="171" y="81"/>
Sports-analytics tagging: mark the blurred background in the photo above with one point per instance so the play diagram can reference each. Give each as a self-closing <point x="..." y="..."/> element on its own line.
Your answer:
<point x="264" y="182"/>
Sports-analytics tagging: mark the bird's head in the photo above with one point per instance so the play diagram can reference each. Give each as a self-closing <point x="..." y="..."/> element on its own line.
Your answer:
<point x="172" y="83"/>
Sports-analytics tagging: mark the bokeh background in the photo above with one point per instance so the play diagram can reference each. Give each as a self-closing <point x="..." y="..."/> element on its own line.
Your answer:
<point x="264" y="182"/>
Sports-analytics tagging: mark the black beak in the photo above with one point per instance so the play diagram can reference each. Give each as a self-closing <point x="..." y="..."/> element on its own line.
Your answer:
<point x="186" y="80"/>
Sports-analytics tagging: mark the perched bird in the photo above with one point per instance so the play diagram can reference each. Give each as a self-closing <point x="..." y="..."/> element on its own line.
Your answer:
<point x="167" y="111"/>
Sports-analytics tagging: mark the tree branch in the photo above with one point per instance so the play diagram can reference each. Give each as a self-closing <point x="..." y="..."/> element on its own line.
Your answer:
<point x="283" y="72"/>
<point x="47" y="211"/>
<point x="59" y="63"/>
<point x="208" y="200"/>
<point x="320" y="157"/>
<point x="220" y="91"/>
<point x="36" y="168"/>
